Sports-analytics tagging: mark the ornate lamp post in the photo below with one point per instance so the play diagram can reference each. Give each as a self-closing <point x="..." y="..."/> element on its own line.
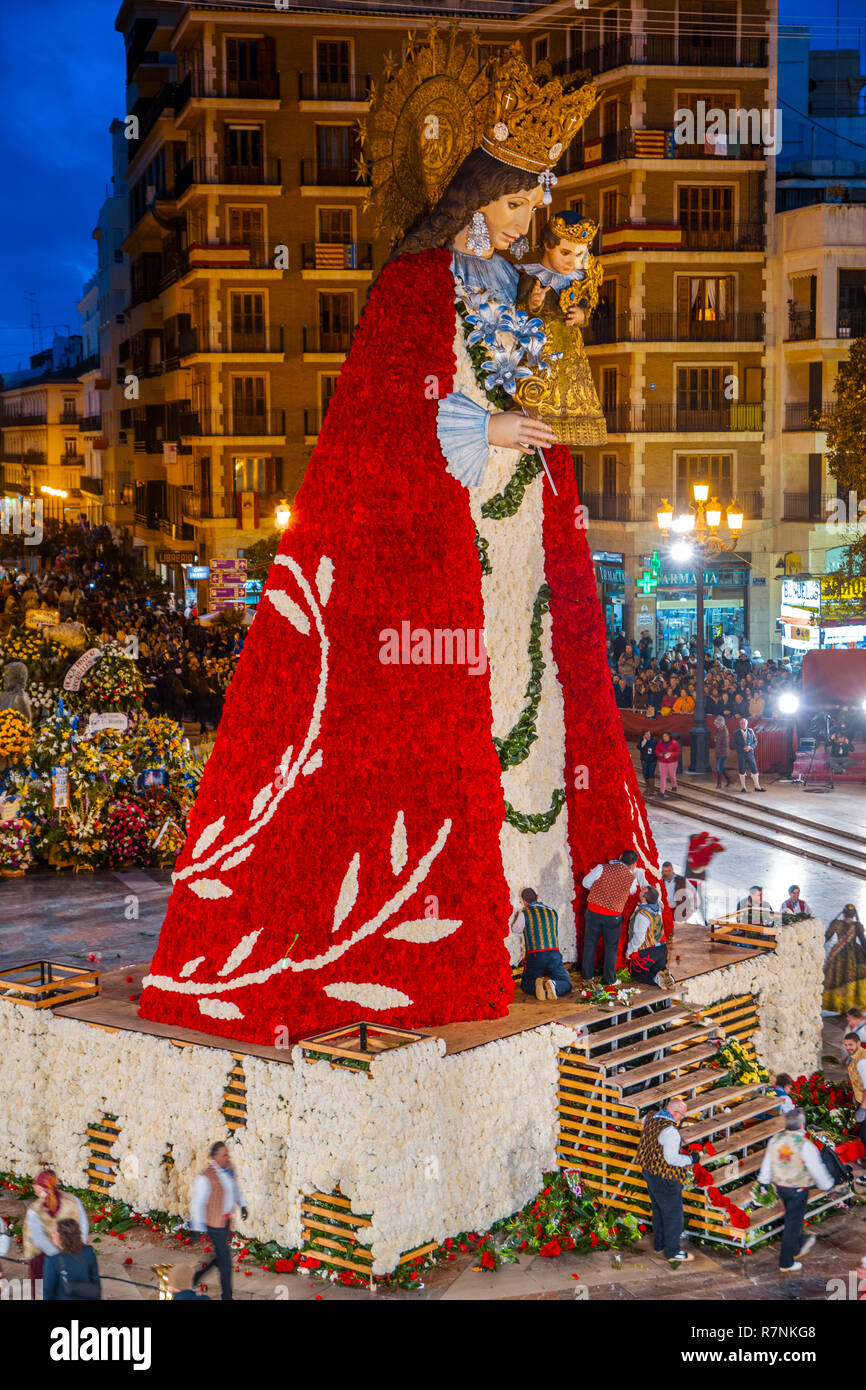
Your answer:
<point x="282" y="515"/>
<point x="698" y="536"/>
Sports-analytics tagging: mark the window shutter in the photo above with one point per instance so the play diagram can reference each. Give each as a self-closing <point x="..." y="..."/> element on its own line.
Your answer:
<point x="682" y="303"/>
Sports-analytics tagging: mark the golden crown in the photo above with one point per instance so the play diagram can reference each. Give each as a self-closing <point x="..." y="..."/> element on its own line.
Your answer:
<point x="580" y="232"/>
<point x="533" y="121"/>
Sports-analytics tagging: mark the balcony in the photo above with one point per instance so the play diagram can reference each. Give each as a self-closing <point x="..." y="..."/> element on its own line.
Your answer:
<point x="801" y="415"/>
<point x="801" y="325"/>
<point x="651" y="144"/>
<point x="216" y="170"/>
<point x="216" y="340"/>
<point x="75" y="461"/>
<point x="666" y="417"/>
<point x="668" y="50"/>
<point x="11" y="416"/>
<point x="70" y="417"/>
<point x="218" y="84"/>
<point x="161" y="105"/>
<point x="328" y="255"/>
<point x="806" y="506"/>
<point x="673" y="328"/>
<point x="327" y="340"/>
<point x="313" y="422"/>
<point x="851" y="323"/>
<point x="311" y="87"/>
<point x="214" y="256"/>
<point x="316" y="174"/>
<point x="643" y="506"/>
<point x="91" y="424"/>
<point x="633" y="235"/>
<point x="209" y="508"/>
<point x="789" y="199"/>
<point x="92" y="486"/>
<point x="748" y="236"/>
<point x="32" y="458"/>
<point x="232" y="424"/>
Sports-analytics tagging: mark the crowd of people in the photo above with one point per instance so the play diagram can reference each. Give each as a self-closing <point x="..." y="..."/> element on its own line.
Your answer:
<point x="736" y="683"/>
<point x="87" y="578"/>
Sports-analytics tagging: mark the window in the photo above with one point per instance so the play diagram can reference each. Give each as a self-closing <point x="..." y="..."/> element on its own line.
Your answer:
<point x="248" y="402"/>
<point x="701" y="389"/>
<point x="247" y="228"/>
<point x="706" y="215"/>
<point x="336" y="312"/>
<point x="333" y="69"/>
<point x="540" y="50"/>
<point x="248" y="322"/>
<point x="576" y="205"/>
<point x="608" y="388"/>
<point x="713" y="101"/>
<point x="609" y="207"/>
<point x="703" y="299"/>
<point x="610" y="117"/>
<point x="244" y="151"/>
<point x="336" y="149"/>
<point x="716" y="469"/>
<point x="579" y="471"/>
<point x="608" y="486"/>
<point x="335" y="226"/>
<point x="327" y="387"/>
<point x="242" y="64"/>
<point x="69" y="448"/>
<point x="258" y="474"/>
<point x="204" y="484"/>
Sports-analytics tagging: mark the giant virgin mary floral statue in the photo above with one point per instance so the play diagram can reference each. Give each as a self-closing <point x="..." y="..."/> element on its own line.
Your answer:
<point x="422" y="722"/>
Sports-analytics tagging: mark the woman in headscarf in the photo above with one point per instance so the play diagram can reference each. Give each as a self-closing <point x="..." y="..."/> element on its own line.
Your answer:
<point x="52" y="1205"/>
<point x="845" y="966"/>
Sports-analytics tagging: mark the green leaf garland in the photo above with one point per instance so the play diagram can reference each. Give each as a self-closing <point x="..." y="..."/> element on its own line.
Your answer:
<point x="514" y="748"/>
<point x="535" y="824"/>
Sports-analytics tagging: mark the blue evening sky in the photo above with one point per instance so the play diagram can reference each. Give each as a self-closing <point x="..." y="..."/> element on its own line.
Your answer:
<point x="64" y="82"/>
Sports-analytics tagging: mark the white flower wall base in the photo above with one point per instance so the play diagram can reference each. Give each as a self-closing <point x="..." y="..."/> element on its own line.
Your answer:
<point x="426" y="1144"/>
<point x="787" y="984"/>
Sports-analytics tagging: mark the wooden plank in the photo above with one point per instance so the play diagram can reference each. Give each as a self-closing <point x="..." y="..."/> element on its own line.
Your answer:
<point x="329" y="1259"/>
<point x="586" y="1146"/>
<point x="308" y="1224"/>
<point x="335" y="1216"/>
<point x="358" y="1250"/>
<point x="633" y="1051"/>
<point x="692" y="1056"/>
<point x="333" y="1198"/>
<point x="421" y="1250"/>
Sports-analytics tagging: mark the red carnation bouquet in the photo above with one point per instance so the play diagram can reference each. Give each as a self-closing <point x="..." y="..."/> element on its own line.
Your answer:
<point x="703" y="849"/>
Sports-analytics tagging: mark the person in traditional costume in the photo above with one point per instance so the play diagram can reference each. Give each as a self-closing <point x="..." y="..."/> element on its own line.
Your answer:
<point x="52" y="1204"/>
<point x="666" y="1169"/>
<point x="647" y="950"/>
<point x="372" y="792"/>
<point x="845" y="963"/>
<point x="856" y="1054"/>
<point x="793" y="1164"/>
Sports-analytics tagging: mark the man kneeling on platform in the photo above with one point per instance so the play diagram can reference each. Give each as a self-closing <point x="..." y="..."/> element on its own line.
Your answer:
<point x="647" y="952"/>
<point x="544" y="974"/>
<point x="665" y="1170"/>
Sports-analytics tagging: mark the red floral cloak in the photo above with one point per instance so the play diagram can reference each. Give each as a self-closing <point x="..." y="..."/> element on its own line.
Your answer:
<point x="343" y="854"/>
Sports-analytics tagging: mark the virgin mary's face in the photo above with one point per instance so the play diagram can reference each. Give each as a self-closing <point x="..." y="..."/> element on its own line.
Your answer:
<point x="508" y="217"/>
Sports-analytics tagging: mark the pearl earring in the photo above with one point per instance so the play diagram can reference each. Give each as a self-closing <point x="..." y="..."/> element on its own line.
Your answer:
<point x="478" y="240"/>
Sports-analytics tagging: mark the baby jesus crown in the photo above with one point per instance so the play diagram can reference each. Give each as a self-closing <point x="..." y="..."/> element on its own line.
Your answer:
<point x="581" y="230"/>
<point x="532" y="122"/>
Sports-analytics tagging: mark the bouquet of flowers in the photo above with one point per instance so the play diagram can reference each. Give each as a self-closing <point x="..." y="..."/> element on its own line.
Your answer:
<point x="16" y="736"/>
<point x="126" y="833"/>
<point x="826" y="1105"/>
<point x="16" y="856"/>
<point x="739" y="1069"/>
<point x="703" y="849"/>
<point x="114" y="683"/>
<point x="608" y="996"/>
<point x="42" y="699"/>
<point x="44" y="659"/>
<point x="82" y="837"/>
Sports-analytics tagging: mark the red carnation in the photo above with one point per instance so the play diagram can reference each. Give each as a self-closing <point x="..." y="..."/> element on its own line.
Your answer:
<point x="710" y="1149"/>
<point x="738" y="1218"/>
<point x="283" y="1266"/>
<point x="128" y="1260"/>
<point x="487" y="1260"/>
<point x="702" y="1176"/>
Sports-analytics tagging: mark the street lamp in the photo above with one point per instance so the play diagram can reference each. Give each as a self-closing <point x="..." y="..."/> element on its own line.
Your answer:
<point x="698" y="529"/>
<point x="282" y="515"/>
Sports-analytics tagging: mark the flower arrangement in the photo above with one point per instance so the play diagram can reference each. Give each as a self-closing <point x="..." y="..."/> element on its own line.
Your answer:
<point x="16" y="855"/>
<point x="16" y="736"/>
<point x="45" y="659"/>
<point x="82" y="836"/>
<point x="738" y="1066"/>
<point x="826" y="1105"/>
<point x="703" y="848"/>
<point x="43" y="699"/>
<point x="126" y="833"/>
<point x="608" y="996"/>
<point x="113" y="683"/>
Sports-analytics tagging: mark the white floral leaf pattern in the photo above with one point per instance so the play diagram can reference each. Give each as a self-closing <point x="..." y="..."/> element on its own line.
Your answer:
<point x="312" y="763"/>
<point x="210" y="888"/>
<point x="238" y="858"/>
<point x="368" y="995"/>
<point x="289" y="609"/>
<point x="219" y="1008"/>
<point x="424" y="929"/>
<point x="324" y="579"/>
<point x="399" y="845"/>
<point x="190" y="967"/>
<point x="240" y="953"/>
<point x="348" y="894"/>
<point x="261" y="801"/>
<point x="207" y="837"/>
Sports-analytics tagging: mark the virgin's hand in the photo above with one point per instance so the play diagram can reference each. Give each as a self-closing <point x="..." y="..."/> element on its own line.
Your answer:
<point x="576" y="316"/>
<point x="537" y="294"/>
<point x="509" y="429"/>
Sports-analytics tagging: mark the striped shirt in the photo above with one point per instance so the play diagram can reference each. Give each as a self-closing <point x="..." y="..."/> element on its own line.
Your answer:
<point x="540" y="928"/>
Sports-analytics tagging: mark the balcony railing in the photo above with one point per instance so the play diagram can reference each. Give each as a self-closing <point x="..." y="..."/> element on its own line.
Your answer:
<point x="669" y="50"/>
<point x="851" y="323"/>
<point x="70" y="417"/>
<point x="316" y="173"/>
<point x="748" y="236"/>
<point x="806" y="506"/>
<point x="313" y="421"/>
<point x="162" y="104"/>
<point x="327" y="340"/>
<point x="643" y="506"/>
<point x="801" y="415"/>
<point x="75" y="461"/>
<point x="218" y="83"/>
<point x="231" y="423"/>
<point x="209" y="508"/>
<point x="31" y="458"/>
<point x="227" y="340"/>
<point x="634" y="235"/>
<point x="329" y="255"/>
<point x="214" y="170"/>
<point x="788" y="199"/>
<point x="673" y="328"/>
<point x="214" y="255"/>
<point x="657" y="143"/>
<point x="91" y="424"/>
<point x="311" y="87"/>
<point x="17" y="417"/>
<point x="801" y="324"/>
<point x="666" y="417"/>
<point x="91" y="485"/>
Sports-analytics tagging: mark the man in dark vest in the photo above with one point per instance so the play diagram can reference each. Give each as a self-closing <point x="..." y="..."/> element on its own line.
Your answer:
<point x="215" y="1194"/>
<point x="609" y="888"/>
<point x="544" y="974"/>
<point x="647" y="952"/>
<point x="665" y="1169"/>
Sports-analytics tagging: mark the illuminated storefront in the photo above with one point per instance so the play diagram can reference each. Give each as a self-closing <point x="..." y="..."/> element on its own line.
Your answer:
<point x="726" y="606"/>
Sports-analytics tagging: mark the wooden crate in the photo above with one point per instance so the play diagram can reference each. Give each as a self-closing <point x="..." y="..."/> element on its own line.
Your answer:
<point x="734" y="930"/>
<point x="102" y="1167"/>
<point x="331" y="1232"/>
<point x="44" y="984"/>
<point x="357" y="1045"/>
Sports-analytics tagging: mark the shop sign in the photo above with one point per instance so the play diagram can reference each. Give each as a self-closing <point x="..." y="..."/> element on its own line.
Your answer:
<point x="687" y="579"/>
<point x="804" y="593"/>
<point x="758" y="580"/>
<point x="610" y="576"/>
<point x="175" y="557"/>
<point x="195" y="572"/>
<point x="839" y="586"/>
<point x="610" y="557"/>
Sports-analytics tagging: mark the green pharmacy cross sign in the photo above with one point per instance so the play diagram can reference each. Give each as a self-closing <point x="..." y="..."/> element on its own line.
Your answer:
<point x="650" y="578"/>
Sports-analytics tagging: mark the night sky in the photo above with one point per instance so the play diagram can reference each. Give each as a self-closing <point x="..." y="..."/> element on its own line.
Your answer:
<point x="64" y="66"/>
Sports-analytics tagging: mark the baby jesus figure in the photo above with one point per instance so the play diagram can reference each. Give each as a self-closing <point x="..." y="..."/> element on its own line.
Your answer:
<point x="562" y="290"/>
